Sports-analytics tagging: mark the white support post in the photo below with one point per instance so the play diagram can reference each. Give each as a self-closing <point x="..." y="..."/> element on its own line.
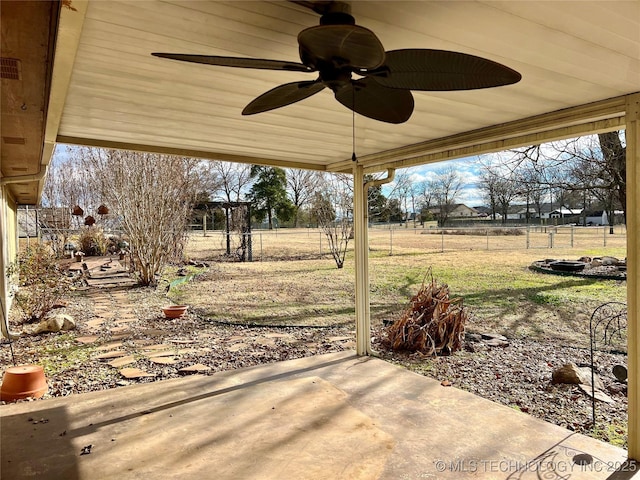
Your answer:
<point x="361" y="245"/>
<point x="633" y="271"/>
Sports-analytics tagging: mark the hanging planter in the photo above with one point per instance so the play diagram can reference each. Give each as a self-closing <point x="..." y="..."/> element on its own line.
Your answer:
<point x="77" y="211"/>
<point x="103" y="210"/>
<point x="23" y="381"/>
<point x="89" y="220"/>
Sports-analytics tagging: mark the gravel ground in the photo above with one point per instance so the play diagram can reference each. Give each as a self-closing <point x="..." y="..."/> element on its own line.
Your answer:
<point x="517" y="375"/>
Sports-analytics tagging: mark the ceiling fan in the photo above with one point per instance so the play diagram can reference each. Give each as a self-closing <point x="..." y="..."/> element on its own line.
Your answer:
<point x="338" y="49"/>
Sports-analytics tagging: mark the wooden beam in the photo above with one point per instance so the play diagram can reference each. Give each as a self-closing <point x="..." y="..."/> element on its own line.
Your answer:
<point x="633" y="272"/>
<point x="603" y="116"/>
<point x="185" y="152"/>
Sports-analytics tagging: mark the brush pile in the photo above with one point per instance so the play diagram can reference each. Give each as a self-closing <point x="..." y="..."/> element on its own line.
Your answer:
<point x="432" y="325"/>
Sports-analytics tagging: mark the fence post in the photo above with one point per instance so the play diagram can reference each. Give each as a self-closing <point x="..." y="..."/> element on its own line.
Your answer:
<point x="604" y="235"/>
<point x="528" y="237"/>
<point x="391" y="241"/>
<point x="572" y="227"/>
<point x="550" y="239"/>
<point x="204" y="225"/>
<point x="442" y="236"/>
<point x="487" y="239"/>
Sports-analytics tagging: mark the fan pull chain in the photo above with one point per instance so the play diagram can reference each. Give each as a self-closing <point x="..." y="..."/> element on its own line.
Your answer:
<point x="353" y="125"/>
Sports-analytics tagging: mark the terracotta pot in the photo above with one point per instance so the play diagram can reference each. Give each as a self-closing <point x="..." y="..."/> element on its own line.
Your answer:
<point x="174" y="311"/>
<point x="23" y="381"/>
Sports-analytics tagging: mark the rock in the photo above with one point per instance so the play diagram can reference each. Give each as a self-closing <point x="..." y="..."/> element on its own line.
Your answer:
<point x="491" y="336"/>
<point x="609" y="261"/>
<point x="569" y="373"/>
<point x="597" y="393"/>
<point x="55" y="323"/>
<point x="585" y="259"/>
<point x="572" y="374"/>
<point x="496" y="342"/>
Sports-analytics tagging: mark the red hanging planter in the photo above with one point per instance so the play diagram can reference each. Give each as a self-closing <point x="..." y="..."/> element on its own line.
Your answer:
<point x="77" y="211"/>
<point x="89" y="220"/>
<point x="103" y="210"/>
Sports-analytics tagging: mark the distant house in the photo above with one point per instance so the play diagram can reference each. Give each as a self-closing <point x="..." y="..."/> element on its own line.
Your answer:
<point x="600" y="217"/>
<point x="597" y="217"/>
<point x="460" y="210"/>
<point x="564" y="212"/>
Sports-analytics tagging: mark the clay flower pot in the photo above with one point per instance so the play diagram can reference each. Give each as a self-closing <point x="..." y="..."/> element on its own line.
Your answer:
<point x="174" y="311"/>
<point x="23" y="381"/>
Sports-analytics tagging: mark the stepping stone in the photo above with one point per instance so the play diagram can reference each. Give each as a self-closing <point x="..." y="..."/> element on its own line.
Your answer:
<point x="277" y="335"/>
<point x="121" y="362"/>
<point x="267" y="342"/>
<point x="87" y="339"/>
<point x="339" y="339"/>
<point x="109" y="346"/>
<point x="235" y="338"/>
<point x="237" y="347"/>
<point x="197" y="368"/>
<point x="120" y="336"/>
<point x="163" y="360"/>
<point x="114" y="354"/>
<point x="95" y="323"/>
<point x="159" y="346"/>
<point x="121" y="330"/>
<point x="125" y="320"/>
<point x="164" y="353"/>
<point x="184" y="351"/>
<point x="135" y="373"/>
<point x="153" y="332"/>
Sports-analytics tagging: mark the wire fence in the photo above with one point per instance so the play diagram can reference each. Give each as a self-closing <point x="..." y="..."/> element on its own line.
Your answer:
<point x="400" y="240"/>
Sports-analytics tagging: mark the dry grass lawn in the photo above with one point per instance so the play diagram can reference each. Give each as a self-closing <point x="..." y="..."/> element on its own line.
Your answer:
<point x="293" y="282"/>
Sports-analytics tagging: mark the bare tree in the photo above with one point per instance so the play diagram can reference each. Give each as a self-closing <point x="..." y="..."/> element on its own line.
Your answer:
<point x="332" y="208"/>
<point x="406" y="192"/>
<point x="301" y="186"/>
<point x="66" y="187"/>
<point x="234" y="180"/>
<point x="152" y="196"/>
<point x="445" y="189"/>
<point x="593" y="165"/>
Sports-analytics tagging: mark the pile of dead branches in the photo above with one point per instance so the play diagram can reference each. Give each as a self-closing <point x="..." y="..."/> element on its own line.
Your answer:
<point x="433" y="324"/>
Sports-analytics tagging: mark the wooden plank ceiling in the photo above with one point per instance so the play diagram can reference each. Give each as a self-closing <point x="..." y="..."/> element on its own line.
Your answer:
<point x="570" y="54"/>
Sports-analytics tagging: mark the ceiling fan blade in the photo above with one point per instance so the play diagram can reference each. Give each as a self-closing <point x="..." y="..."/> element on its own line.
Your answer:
<point x="341" y="45"/>
<point x="369" y="98"/>
<point x="282" y="96"/>
<point x="238" y="62"/>
<point x="440" y="70"/>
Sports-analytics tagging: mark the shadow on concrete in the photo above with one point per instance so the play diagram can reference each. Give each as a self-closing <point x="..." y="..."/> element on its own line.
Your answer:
<point x="21" y="445"/>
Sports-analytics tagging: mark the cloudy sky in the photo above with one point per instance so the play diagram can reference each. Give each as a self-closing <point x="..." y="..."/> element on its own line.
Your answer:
<point x="468" y="169"/>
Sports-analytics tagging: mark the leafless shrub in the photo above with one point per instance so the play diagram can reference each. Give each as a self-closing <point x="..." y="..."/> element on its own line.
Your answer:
<point x="332" y="209"/>
<point x="152" y="196"/>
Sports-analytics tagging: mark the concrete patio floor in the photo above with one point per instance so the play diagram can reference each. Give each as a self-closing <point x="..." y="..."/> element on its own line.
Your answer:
<point x="334" y="416"/>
